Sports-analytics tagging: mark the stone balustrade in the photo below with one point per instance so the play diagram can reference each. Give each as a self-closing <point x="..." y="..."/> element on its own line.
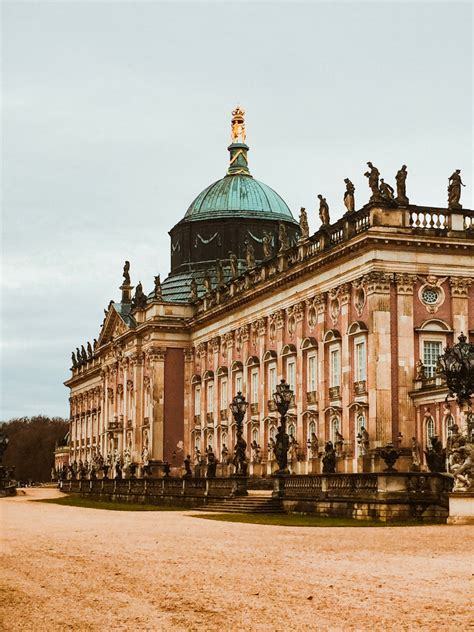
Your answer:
<point x="407" y="219"/>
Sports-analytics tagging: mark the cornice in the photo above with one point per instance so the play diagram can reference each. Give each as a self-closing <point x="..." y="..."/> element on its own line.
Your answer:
<point x="362" y="242"/>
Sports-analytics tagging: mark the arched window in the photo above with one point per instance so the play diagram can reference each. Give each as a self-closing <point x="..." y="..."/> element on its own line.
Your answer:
<point x="224" y="439"/>
<point x="448" y="422"/>
<point x="430" y="428"/>
<point x="335" y="425"/>
<point x="292" y="430"/>
<point x="255" y="435"/>
<point x="198" y="442"/>
<point x="311" y="429"/>
<point x="361" y="422"/>
<point x="272" y="432"/>
<point x="210" y="440"/>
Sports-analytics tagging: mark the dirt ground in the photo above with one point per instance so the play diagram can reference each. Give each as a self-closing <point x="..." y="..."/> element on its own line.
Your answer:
<point x="70" y="568"/>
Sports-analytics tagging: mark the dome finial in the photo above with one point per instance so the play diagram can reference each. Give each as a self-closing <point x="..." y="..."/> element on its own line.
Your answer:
<point x="238" y="134"/>
<point x="238" y="149"/>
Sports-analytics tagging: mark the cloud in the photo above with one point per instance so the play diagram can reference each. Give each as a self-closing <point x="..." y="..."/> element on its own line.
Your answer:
<point x="116" y="115"/>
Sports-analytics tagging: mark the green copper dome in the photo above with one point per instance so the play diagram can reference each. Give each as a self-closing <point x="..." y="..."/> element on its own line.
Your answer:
<point x="238" y="194"/>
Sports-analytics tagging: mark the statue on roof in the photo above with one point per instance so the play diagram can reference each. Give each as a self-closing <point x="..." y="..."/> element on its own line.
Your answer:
<point x="249" y="255"/>
<point x="126" y="273"/>
<point x="83" y="354"/>
<point x="219" y="273"/>
<point x="89" y="350"/>
<point x="95" y="344"/>
<point x="267" y="240"/>
<point x="283" y="237"/>
<point x="78" y="356"/>
<point x="323" y="211"/>
<point x="158" y="292"/>
<point x="238" y="134"/>
<point x="401" y="186"/>
<point x="386" y="191"/>
<point x="304" y="226"/>
<point x="349" y="198"/>
<point x="454" y="190"/>
<point x="234" y="265"/>
<point x="194" y="289"/>
<point x="139" y="299"/>
<point x="74" y="361"/>
<point x="373" y="177"/>
<point x="207" y="282"/>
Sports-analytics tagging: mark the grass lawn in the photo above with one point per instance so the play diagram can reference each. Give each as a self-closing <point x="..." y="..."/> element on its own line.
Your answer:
<point x="78" y="501"/>
<point x="301" y="520"/>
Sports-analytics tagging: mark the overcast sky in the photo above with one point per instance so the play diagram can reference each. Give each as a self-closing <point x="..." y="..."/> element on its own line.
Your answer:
<point x="116" y="115"/>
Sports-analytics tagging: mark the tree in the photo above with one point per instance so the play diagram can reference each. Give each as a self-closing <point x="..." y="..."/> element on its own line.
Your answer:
<point x="32" y="441"/>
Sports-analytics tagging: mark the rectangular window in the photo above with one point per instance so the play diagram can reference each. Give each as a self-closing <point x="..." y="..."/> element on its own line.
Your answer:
<point x="360" y="361"/>
<point x="335" y="367"/>
<point x="224" y="401"/>
<point x="210" y="397"/>
<point x="254" y="382"/>
<point x="238" y="383"/>
<point x="290" y="373"/>
<point x="311" y="386"/>
<point x="197" y="400"/>
<point x="272" y="380"/>
<point x="432" y="349"/>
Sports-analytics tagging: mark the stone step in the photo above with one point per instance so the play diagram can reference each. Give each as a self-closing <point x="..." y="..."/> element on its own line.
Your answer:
<point x="244" y="504"/>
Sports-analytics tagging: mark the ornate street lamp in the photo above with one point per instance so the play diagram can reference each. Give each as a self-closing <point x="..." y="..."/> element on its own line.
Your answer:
<point x="282" y="397"/>
<point x="238" y="408"/>
<point x="456" y="365"/>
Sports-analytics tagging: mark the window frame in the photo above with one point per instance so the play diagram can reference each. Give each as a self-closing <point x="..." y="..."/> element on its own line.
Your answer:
<point x="311" y="384"/>
<point x="291" y="361"/>
<point x="360" y="372"/>
<point x="334" y="348"/>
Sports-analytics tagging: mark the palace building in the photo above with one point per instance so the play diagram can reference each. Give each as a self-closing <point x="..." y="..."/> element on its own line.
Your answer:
<point x="353" y="317"/>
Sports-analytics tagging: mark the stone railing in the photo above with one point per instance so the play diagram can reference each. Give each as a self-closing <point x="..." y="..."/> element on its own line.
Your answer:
<point x="368" y="485"/>
<point x="429" y="219"/>
<point x="147" y="489"/>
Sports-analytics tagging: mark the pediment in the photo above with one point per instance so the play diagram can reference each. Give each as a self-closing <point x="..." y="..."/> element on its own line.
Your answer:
<point x="112" y="327"/>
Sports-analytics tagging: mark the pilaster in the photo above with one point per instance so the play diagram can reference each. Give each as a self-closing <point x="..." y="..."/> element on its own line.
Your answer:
<point x="379" y="356"/>
<point x="156" y="357"/>
<point x="406" y="355"/>
<point x="459" y="304"/>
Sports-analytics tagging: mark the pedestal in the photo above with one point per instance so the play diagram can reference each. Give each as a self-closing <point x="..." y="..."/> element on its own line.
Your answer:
<point x="272" y="466"/>
<point x="461" y="508"/>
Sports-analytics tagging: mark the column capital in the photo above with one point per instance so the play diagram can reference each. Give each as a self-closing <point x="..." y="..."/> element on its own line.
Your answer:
<point x="460" y="286"/>
<point x="405" y="283"/>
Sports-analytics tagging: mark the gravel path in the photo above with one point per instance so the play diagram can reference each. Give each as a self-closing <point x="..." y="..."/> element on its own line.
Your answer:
<point x="69" y="568"/>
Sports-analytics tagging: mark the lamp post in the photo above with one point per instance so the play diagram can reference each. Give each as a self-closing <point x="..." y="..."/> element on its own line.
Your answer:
<point x="456" y="365"/>
<point x="238" y="408"/>
<point x="282" y="397"/>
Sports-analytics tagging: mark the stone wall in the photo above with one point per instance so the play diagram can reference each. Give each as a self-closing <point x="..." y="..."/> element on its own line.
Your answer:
<point x="386" y="497"/>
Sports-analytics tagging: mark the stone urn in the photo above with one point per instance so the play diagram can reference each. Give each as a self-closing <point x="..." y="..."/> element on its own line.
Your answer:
<point x="389" y="455"/>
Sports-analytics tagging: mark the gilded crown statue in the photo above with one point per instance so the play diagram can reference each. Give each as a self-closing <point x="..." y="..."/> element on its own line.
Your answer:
<point x="238" y="134"/>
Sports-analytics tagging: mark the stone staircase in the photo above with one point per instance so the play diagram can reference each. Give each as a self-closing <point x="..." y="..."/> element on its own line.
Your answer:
<point x="254" y="503"/>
